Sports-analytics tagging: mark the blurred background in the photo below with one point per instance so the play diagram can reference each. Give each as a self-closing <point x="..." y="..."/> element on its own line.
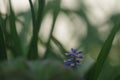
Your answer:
<point x="80" y="24"/>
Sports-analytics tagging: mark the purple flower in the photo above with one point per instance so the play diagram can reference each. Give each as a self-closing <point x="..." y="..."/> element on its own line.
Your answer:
<point x="73" y="58"/>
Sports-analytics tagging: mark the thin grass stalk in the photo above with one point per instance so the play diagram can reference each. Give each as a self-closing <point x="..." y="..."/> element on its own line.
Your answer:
<point x="3" y="53"/>
<point x="55" y="15"/>
<point x="104" y="53"/>
<point x="60" y="46"/>
<point x="33" y="14"/>
<point x="32" y="52"/>
<point x="33" y="49"/>
<point x="15" y="37"/>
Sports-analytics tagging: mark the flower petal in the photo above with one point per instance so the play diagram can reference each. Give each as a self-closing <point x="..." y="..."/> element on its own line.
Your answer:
<point x="73" y="50"/>
<point x="79" y="52"/>
<point x="70" y="55"/>
<point x="77" y="61"/>
<point x="80" y="57"/>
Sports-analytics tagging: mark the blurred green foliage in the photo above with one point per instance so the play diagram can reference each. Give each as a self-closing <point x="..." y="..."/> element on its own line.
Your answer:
<point x="22" y="61"/>
<point x="20" y="69"/>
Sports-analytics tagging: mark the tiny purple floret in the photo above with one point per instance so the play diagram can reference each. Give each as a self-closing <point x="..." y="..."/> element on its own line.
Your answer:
<point x="73" y="58"/>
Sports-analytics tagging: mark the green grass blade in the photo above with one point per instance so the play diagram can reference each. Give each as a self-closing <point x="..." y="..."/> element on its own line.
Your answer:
<point x="41" y="4"/>
<point x="33" y="50"/>
<point x="15" y="37"/>
<point x="3" y="54"/>
<point x="60" y="46"/>
<point x="104" y="53"/>
<point x="33" y="14"/>
<point x="55" y="14"/>
<point x="117" y="77"/>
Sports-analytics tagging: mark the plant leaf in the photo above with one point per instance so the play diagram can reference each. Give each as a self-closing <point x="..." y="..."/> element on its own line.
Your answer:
<point x="33" y="50"/>
<point x="104" y="53"/>
<point x="15" y="37"/>
<point x="3" y="54"/>
<point x="55" y="15"/>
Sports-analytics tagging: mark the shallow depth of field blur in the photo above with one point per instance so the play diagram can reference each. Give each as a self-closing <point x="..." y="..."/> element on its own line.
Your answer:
<point x="80" y="24"/>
